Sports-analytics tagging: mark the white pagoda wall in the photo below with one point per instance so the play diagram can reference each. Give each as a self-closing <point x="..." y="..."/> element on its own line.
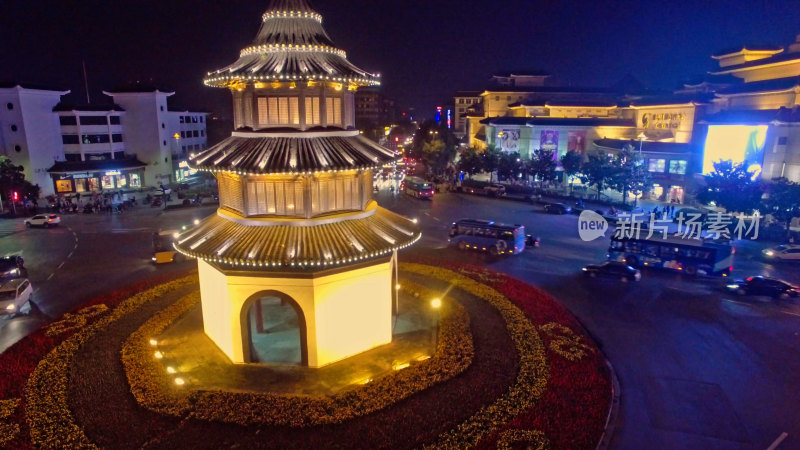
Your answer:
<point x="345" y="313"/>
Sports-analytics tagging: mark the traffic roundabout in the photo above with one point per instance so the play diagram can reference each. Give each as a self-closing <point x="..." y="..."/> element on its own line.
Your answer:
<point x="509" y="367"/>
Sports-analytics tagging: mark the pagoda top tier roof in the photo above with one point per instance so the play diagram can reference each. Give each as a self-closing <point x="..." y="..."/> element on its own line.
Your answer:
<point x="289" y="151"/>
<point x="291" y="45"/>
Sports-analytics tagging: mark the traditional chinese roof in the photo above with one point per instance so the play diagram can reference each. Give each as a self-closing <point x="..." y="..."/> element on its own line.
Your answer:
<point x="292" y="151"/>
<point x="559" y="121"/>
<point x="309" y="245"/>
<point x="774" y="85"/>
<point x="754" y="117"/>
<point x="291" y="45"/>
<point x="96" y="165"/>
<point x="66" y="107"/>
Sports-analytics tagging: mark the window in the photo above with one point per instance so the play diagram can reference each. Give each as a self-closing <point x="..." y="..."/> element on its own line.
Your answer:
<point x="163" y="126"/>
<point x="294" y="110"/>
<point x="202" y="133"/>
<point x="68" y="120"/>
<point x="165" y="143"/>
<point x="201" y="119"/>
<point x="312" y="111"/>
<point x="283" y="110"/>
<point x="195" y="133"/>
<point x="70" y="139"/>
<point x="333" y="111"/>
<point x="273" y="109"/>
<point x="262" y="111"/>
<point x="10" y="106"/>
<point x="677" y="166"/>
<point x="183" y="134"/>
<point x="13" y="128"/>
<point x="94" y="120"/>
<point x="116" y="138"/>
<point x="115" y="120"/>
<point x="194" y="119"/>
<point x="162" y="108"/>
<point x="94" y="139"/>
<point x="783" y="140"/>
<point x="17" y="148"/>
<point x="461" y="101"/>
<point x="180" y="119"/>
<point x="656" y="165"/>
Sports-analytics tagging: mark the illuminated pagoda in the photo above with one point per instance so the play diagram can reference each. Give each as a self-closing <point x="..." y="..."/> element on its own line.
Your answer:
<point x="297" y="224"/>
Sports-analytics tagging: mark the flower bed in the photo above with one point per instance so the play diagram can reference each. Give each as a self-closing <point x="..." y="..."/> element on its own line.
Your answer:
<point x="154" y="390"/>
<point x="536" y="380"/>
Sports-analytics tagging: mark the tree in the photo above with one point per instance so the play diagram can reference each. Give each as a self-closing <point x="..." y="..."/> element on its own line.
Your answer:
<point x="595" y="171"/>
<point x="490" y="158"/>
<point x="571" y="162"/>
<point x="508" y="165"/>
<point x="629" y="174"/>
<point x="732" y="187"/>
<point x="782" y="200"/>
<point x="543" y="165"/>
<point x="470" y="161"/>
<point x="12" y="179"/>
<point x="431" y="153"/>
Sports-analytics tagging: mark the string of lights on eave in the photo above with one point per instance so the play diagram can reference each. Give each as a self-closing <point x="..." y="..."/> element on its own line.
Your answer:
<point x="296" y="264"/>
<point x="247" y="173"/>
<point x="229" y="80"/>
<point x="291" y="15"/>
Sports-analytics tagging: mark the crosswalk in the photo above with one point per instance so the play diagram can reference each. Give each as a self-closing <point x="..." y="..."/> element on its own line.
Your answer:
<point x="9" y="227"/>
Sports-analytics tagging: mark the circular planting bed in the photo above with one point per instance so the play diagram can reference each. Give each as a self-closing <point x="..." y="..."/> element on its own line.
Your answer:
<point x="511" y="369"/>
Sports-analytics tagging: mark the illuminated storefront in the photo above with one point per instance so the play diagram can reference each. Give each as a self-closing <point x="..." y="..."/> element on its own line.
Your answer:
<point x="77" y="177"/>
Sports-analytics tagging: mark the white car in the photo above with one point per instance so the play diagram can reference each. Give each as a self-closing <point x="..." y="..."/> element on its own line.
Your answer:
<point x="15" y="297"/>
<point x="43" y="220"/>
<point x="782" y="253"/>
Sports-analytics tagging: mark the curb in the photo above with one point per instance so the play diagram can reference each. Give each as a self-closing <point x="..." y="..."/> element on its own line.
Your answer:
<point x="613" y="412"/>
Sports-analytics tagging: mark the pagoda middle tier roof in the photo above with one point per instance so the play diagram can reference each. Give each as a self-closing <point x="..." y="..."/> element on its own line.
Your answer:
<point x="292" y="152"/>
<point x="311" y="244"/>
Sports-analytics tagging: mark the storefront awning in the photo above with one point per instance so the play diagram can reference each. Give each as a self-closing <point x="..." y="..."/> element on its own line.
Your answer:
<point x="66" y="167"/>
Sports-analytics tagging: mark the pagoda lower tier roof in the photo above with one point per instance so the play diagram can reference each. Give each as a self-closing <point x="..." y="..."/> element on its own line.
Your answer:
<point x="292" y="152"/>
<point x="312" y="245"/>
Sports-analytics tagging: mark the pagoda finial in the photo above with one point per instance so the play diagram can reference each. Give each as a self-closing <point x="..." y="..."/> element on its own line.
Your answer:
<point x="291" y="5"/>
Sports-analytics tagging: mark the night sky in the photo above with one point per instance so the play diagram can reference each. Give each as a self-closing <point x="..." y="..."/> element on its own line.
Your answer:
<point x="424" y="49"/>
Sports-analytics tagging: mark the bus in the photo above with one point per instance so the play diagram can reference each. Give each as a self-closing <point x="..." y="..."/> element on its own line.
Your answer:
<point x="691" y="256"/>
<point x="487" y="236"/>
<point x="417" y="187"/>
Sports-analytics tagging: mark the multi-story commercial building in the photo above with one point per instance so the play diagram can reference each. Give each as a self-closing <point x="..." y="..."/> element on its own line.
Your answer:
<point x="373" y="109"/>
<point x="134" y="142"/>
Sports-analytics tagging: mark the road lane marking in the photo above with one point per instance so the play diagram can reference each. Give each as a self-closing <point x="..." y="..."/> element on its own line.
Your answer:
<point x="51" y="276"/>
<point x="791" y="313"/>
<point x="70" y="255"/>
<point x="778" y="441"/>
<point x="60" y="265"/>
<point x="436" y="219"/>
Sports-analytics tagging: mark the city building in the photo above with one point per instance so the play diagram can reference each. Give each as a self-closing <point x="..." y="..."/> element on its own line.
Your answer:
<point x="131" y="143"/>
<point x="462" y="102"/>
<point x="373" y="109"/>
<point x="297" y="229"/>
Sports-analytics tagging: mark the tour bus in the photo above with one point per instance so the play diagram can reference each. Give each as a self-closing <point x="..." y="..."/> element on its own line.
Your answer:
<point x="691" y="256"/>
<point x="483" y="235"/>
<point x="417" y="187"/>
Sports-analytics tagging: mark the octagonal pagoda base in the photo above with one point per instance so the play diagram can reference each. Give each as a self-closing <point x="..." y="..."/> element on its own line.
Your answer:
<point x="341" y="312"/>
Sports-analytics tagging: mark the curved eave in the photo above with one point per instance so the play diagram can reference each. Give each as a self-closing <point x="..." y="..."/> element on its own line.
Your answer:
<point x="223" y="241"/>
<point x="297" y="64"/>
<point x="306" y="153"/>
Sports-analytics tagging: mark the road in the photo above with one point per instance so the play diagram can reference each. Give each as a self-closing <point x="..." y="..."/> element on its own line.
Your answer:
<point x="698" y="368"/>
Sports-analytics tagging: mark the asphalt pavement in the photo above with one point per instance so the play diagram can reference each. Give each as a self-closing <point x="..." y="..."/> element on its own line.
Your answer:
<point x="698" y="368"/>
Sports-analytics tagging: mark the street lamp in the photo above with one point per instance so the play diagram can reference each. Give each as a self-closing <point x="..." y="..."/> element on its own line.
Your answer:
<point x="436" y="305"/>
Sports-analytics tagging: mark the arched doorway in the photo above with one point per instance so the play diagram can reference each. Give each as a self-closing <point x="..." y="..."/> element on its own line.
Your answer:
<point x="276" y="329"/>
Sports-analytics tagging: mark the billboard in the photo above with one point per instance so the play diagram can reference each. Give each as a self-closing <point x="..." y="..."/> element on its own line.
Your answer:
<point x="576" y="142"/>
<point x="736" y="143"/>
<point x="549" y="140"/>
<point x="509" y="140"/>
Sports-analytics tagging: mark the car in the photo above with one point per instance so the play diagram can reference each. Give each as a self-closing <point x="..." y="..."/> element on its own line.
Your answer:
<point x="12" y="267"/>
<point x="43" y="220"/>
<point x="613" y="269"/>
<point x="782" y="253"/>
<point x="759" y="285"/>
<point x="15" y="297"/>
<point x="495" y="190"/>
<point x="557" y="208"/>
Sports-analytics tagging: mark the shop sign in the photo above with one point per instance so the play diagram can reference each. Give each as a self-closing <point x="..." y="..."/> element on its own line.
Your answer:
<point x="78" y="176"/>
<point x="663" y="121"/>
<point x="113" y="172"/>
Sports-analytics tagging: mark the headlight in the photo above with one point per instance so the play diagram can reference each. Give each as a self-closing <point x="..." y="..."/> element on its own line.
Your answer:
<point x="585" y="269"/>
<point x="769" y="253"/>
<point x="154" y="258"/>
<point x="733" y="286"/>
<point x="11" y="307"/>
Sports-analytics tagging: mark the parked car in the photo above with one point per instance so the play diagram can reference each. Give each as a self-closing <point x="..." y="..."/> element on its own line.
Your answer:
<point x="613" y="269"/>
<point x="782" y="253"/>
<point x="12" y="267"/>
<point x="495" y="190"/>
<point x="43" y="220"/>
<point x="15" y="297"/>
<point x="759" y="285"/>
<point x="557" y="208"/>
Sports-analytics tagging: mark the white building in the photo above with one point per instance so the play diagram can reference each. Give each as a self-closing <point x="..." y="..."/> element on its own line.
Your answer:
<point x="29" y="130"/>
<point x="133" y="143"/>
